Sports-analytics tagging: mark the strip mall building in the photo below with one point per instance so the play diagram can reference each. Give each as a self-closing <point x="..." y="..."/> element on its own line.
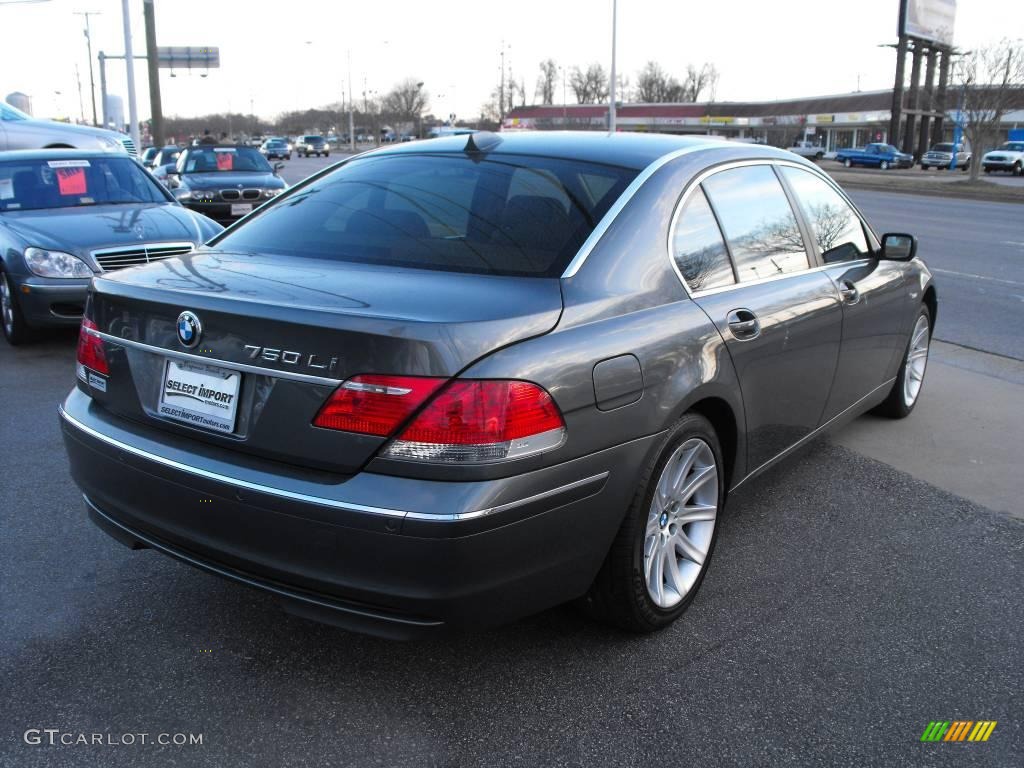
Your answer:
<point x="834" y="122"/>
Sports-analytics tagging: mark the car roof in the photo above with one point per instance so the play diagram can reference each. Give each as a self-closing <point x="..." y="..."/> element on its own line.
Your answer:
<point x="627" y="150"/>
<point x="57" y="154"/>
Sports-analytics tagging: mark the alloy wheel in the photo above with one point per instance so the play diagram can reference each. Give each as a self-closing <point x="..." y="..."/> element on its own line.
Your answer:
<point x="917" y="361"/>
<point x="680" y="523"/>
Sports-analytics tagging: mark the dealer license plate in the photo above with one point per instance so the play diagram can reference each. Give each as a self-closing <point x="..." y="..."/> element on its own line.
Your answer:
<point x="201" y="395"/>
<point x="240" y="209"/>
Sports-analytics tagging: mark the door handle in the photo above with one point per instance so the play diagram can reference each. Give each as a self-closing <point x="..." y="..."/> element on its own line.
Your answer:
<point x="849" y="293"/>
<point x="743" y="324"/>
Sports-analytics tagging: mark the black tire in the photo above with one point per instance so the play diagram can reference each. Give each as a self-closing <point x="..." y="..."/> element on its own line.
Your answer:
<point x="895" y="405"/>
<point x="16" y="331"/>
<point x="1018" y="169"/>
<point x="819" y="155"/>
<point x="327" y="154"/>
<point x="619" y="595"/>
<point x="848" y="163"/>
<point x="924" y="167"/>
<point x="988" y="170"/>
<point x="883" y="165"/>
<point x="287" y="157"/>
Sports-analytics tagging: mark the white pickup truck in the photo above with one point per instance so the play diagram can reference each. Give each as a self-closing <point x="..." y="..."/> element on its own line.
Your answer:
<point x="806" y="148"/>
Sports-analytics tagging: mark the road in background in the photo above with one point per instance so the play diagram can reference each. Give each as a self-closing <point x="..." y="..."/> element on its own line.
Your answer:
<point x="976" y="251"/>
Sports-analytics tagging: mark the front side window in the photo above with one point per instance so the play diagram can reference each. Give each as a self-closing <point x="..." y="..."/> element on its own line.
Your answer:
<point x="698" y="248"/>
<point x="34" y="184"/>
<point x="838" y="232"/>
<point x="502" y="215"/>
<point x="759" y="224"/>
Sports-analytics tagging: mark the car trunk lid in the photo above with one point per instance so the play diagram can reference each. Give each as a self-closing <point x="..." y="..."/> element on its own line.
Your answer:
<point x="293" y="328"/>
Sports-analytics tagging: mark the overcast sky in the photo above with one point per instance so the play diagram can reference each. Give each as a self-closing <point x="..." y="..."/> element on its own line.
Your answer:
<point x="292" y="55"/>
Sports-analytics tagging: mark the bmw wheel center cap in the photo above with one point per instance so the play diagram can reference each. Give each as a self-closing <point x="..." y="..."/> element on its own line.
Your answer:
<point x="189" y="329"/>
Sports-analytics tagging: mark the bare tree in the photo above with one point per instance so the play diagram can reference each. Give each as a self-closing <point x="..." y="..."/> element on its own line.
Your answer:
<point x="589" y="86"/>
<point x="655" y="86"/>
<point x="546" y="81"/>
<point x="700" y="82"/>
<point x="990" y="81"/>
<point x="406" y="101"/>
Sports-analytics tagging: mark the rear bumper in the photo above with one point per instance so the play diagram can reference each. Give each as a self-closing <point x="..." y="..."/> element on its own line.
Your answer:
<point x="391" y="556"/>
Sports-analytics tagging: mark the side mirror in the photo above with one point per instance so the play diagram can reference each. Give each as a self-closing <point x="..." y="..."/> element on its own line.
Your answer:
<point x="278" y="167"/>
<point x="898" y="247"/>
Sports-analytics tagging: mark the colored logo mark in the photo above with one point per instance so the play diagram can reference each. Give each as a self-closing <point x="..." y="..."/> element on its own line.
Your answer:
<point x="959" y="730"/>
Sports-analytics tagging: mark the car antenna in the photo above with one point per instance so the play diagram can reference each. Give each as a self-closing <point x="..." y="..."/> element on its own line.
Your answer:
<point x="482" y="141"/>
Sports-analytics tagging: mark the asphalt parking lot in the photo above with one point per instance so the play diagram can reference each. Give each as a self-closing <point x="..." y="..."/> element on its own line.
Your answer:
<point x="858" y="592"/>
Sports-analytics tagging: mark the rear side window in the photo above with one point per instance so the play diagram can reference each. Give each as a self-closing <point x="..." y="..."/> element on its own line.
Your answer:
<point x="759" y="223"/>
<point x="838" y="232"/>
<point x="503" y="215"/>
<point x="698" y="248"/>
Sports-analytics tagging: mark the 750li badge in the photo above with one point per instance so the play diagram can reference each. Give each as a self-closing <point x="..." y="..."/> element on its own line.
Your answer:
<point x="290" y="357"/>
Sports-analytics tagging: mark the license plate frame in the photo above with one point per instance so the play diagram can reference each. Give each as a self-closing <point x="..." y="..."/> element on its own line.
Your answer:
<point x="241" y="209"/>
<point x="200" y="395"/>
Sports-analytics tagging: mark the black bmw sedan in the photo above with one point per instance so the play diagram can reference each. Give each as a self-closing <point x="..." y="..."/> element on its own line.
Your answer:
<point x="224" y="182"/>
<point x="69" y="214"/>
<point x="451" y="383"/>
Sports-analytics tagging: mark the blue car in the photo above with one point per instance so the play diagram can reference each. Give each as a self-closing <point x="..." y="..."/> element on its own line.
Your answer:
<point x="66" y="215"/>
<point x="875" y="155"/>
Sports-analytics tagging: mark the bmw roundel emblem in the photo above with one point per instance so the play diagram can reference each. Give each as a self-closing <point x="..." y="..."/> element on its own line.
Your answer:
<point x="189" y="329"/>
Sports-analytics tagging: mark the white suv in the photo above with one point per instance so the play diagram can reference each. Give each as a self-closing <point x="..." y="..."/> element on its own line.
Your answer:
<point x="1009" y="157"/>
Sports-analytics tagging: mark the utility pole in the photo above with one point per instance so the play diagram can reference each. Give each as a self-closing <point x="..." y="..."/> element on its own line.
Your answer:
<point x="611" y="90"/>
<point x="78" y="80"/>
<point x="501" y="88"/>
<point x="88" y="45"/>
<point x="129" y="62"/>
<point x="351" y="116"/>
<point x="153" y="67"/>
<point x="103" y="87"/>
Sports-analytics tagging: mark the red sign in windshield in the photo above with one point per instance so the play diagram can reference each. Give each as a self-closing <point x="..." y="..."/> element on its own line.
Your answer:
<point x="225" y="161"/>
<point x="71" y="181"/>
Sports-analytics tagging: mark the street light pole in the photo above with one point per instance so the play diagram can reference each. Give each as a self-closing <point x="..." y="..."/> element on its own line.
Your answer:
<point x="611" y="90"/>
<point x="88" y="45"/>
<point x="129" y="61"/>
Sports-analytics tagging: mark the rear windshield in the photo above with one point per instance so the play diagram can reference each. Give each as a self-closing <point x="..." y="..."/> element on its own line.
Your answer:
<point x="505" y="215"/>
<point x="33" y="184"/>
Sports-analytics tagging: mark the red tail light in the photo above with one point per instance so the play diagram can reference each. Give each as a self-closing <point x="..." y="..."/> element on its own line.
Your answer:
<point x="469" y="422"/>
<point x="375" y="405"/>
<point x="91" y="353"/>
<point x="473" y="422"/>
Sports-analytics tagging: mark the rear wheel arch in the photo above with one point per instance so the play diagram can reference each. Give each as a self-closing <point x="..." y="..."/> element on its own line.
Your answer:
<point x="723" y="419"/>
<point x="931" y="301"/>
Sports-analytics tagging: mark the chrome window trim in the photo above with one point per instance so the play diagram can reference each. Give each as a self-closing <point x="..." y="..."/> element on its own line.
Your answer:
<point x="609" y="218"/>
<point x="696" y="181"/>
<point x="320" y="500"/>
<point x="246" y="367"/>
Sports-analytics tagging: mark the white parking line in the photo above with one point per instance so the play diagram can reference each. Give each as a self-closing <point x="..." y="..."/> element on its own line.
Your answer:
<point x="977" y="277"/>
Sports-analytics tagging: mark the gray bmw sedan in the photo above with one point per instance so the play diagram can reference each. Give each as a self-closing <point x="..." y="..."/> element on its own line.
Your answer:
<point x="452" y="383"/>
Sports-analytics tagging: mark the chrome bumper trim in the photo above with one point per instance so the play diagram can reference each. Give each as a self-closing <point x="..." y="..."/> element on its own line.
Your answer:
<point x="320" y="500"/>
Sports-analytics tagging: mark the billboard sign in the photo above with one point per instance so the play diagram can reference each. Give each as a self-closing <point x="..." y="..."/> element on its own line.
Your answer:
<point x="188" y="57"/>
<point x="930" y="20"/>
